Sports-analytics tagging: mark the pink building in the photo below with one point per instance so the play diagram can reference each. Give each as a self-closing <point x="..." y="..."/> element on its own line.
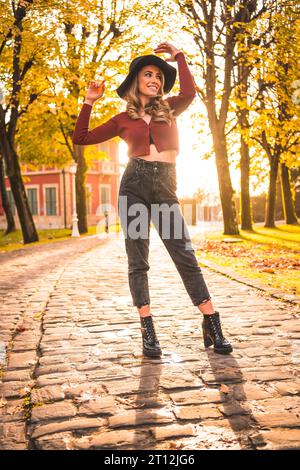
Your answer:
<point x="49" y="191"/>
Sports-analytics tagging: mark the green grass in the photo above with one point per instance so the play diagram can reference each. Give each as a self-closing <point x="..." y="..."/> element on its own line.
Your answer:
<point x="283" y="235"/>
<point x="14" y="240"/>
<point x="254" y="251"/>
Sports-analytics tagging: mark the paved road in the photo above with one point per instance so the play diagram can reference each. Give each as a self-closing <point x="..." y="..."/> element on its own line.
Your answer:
<point x="73" y="376"/>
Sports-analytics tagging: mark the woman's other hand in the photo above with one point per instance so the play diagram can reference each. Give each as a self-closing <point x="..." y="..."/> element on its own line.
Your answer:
<point x="94" y="91"/>
<point x="167" y="47"/>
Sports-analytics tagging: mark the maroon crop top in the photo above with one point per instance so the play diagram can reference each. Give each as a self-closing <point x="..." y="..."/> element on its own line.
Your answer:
<point x="136" y="132"/>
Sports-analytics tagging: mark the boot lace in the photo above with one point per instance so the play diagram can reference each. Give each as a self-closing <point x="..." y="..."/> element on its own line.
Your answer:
<point x="149" y="329"/>
<point x="216" y="326"/>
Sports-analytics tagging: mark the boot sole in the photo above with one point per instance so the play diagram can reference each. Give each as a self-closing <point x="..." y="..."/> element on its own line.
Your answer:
<point x="219" y="351"/>
<point x="208" y="342"/>
<point x="152" y="354"/>
<point x="223" y="351"/>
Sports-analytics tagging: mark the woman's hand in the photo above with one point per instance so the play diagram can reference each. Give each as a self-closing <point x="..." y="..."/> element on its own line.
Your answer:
<point x="94" y="91"/>
<point x="167" y="47"/>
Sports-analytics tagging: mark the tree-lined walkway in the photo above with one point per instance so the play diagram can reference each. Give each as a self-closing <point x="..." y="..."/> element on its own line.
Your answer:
<point x="75" y="378"/>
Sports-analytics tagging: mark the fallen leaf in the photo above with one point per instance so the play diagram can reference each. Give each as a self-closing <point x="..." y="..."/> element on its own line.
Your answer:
<point x="24" y="391"/>
<point x="20" y="329"/>
<point x="2" y="402"/>
<point x="224" y="388"/>
<point x="174" y="445"/>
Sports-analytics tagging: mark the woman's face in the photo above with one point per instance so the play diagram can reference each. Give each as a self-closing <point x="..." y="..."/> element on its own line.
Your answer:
<point x="149" y="80"/>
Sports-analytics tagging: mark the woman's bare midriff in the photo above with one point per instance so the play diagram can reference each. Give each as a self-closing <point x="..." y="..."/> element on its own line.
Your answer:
<point x="164" y="156"/>
<point x="168" y="156"/>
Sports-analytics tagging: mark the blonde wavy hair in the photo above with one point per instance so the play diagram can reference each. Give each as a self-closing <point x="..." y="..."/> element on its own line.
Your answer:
<point x="159" y="109"/>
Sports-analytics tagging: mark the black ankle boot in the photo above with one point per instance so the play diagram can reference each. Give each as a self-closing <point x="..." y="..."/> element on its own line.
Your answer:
<point x="212" y="334"/>
<point x="151" y="345"/>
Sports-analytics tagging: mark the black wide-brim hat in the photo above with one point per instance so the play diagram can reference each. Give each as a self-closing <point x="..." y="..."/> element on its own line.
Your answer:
<point x="139" y="62"/>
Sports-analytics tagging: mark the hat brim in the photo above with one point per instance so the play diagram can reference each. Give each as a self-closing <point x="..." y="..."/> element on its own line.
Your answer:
<point x="167" y="69"/>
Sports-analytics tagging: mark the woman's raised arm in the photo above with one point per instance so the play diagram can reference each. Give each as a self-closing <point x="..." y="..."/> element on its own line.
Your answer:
<point x="82" y="135"/>
<point x="186" y="81"/>
<point x="106" y="131"/>
<point x="187" y="86"/>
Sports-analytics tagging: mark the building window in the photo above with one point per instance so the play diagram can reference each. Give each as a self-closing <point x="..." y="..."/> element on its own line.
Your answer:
<point x="105" y="197"/>
<point x="32" y="200"/>
<point x="50" y="201"/>
<point x="11" y="201"/>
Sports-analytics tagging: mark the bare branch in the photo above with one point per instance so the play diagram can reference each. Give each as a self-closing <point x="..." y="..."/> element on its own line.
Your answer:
<point x="28" y="64"/>
<point x="33" y="97"/>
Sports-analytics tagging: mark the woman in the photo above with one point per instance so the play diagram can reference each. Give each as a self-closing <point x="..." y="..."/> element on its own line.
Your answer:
<point x="149" y="182"/>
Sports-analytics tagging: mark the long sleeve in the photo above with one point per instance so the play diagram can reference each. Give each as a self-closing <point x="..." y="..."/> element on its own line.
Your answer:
<point x="82" y="135"/>
<point x="187" y="86"/>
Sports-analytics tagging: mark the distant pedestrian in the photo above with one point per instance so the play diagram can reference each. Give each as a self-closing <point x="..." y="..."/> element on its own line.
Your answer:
<point x="106" y="222"/>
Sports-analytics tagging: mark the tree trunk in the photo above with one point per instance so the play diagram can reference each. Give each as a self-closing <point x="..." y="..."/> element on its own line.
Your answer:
<point x="217" y="121"/>
<point x="246" y="213"/>
<point x="226" y="191"/>
<point x="270" y="209"/>
<point x="11" y="227"/>
<point x="295" y="177"/>
<point x="288" y="199"/>
<point x="81" y="190"/>
<point x="16" y="73"/>
<point x="243" y="119"/>
<point x="13" y="172"/>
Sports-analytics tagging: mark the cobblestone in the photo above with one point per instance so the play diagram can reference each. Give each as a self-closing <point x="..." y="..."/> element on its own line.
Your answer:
<point x="73" y="375"/>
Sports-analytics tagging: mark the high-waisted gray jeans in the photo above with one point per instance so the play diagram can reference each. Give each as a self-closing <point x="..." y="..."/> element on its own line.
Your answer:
<point x="148" y="192"/>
